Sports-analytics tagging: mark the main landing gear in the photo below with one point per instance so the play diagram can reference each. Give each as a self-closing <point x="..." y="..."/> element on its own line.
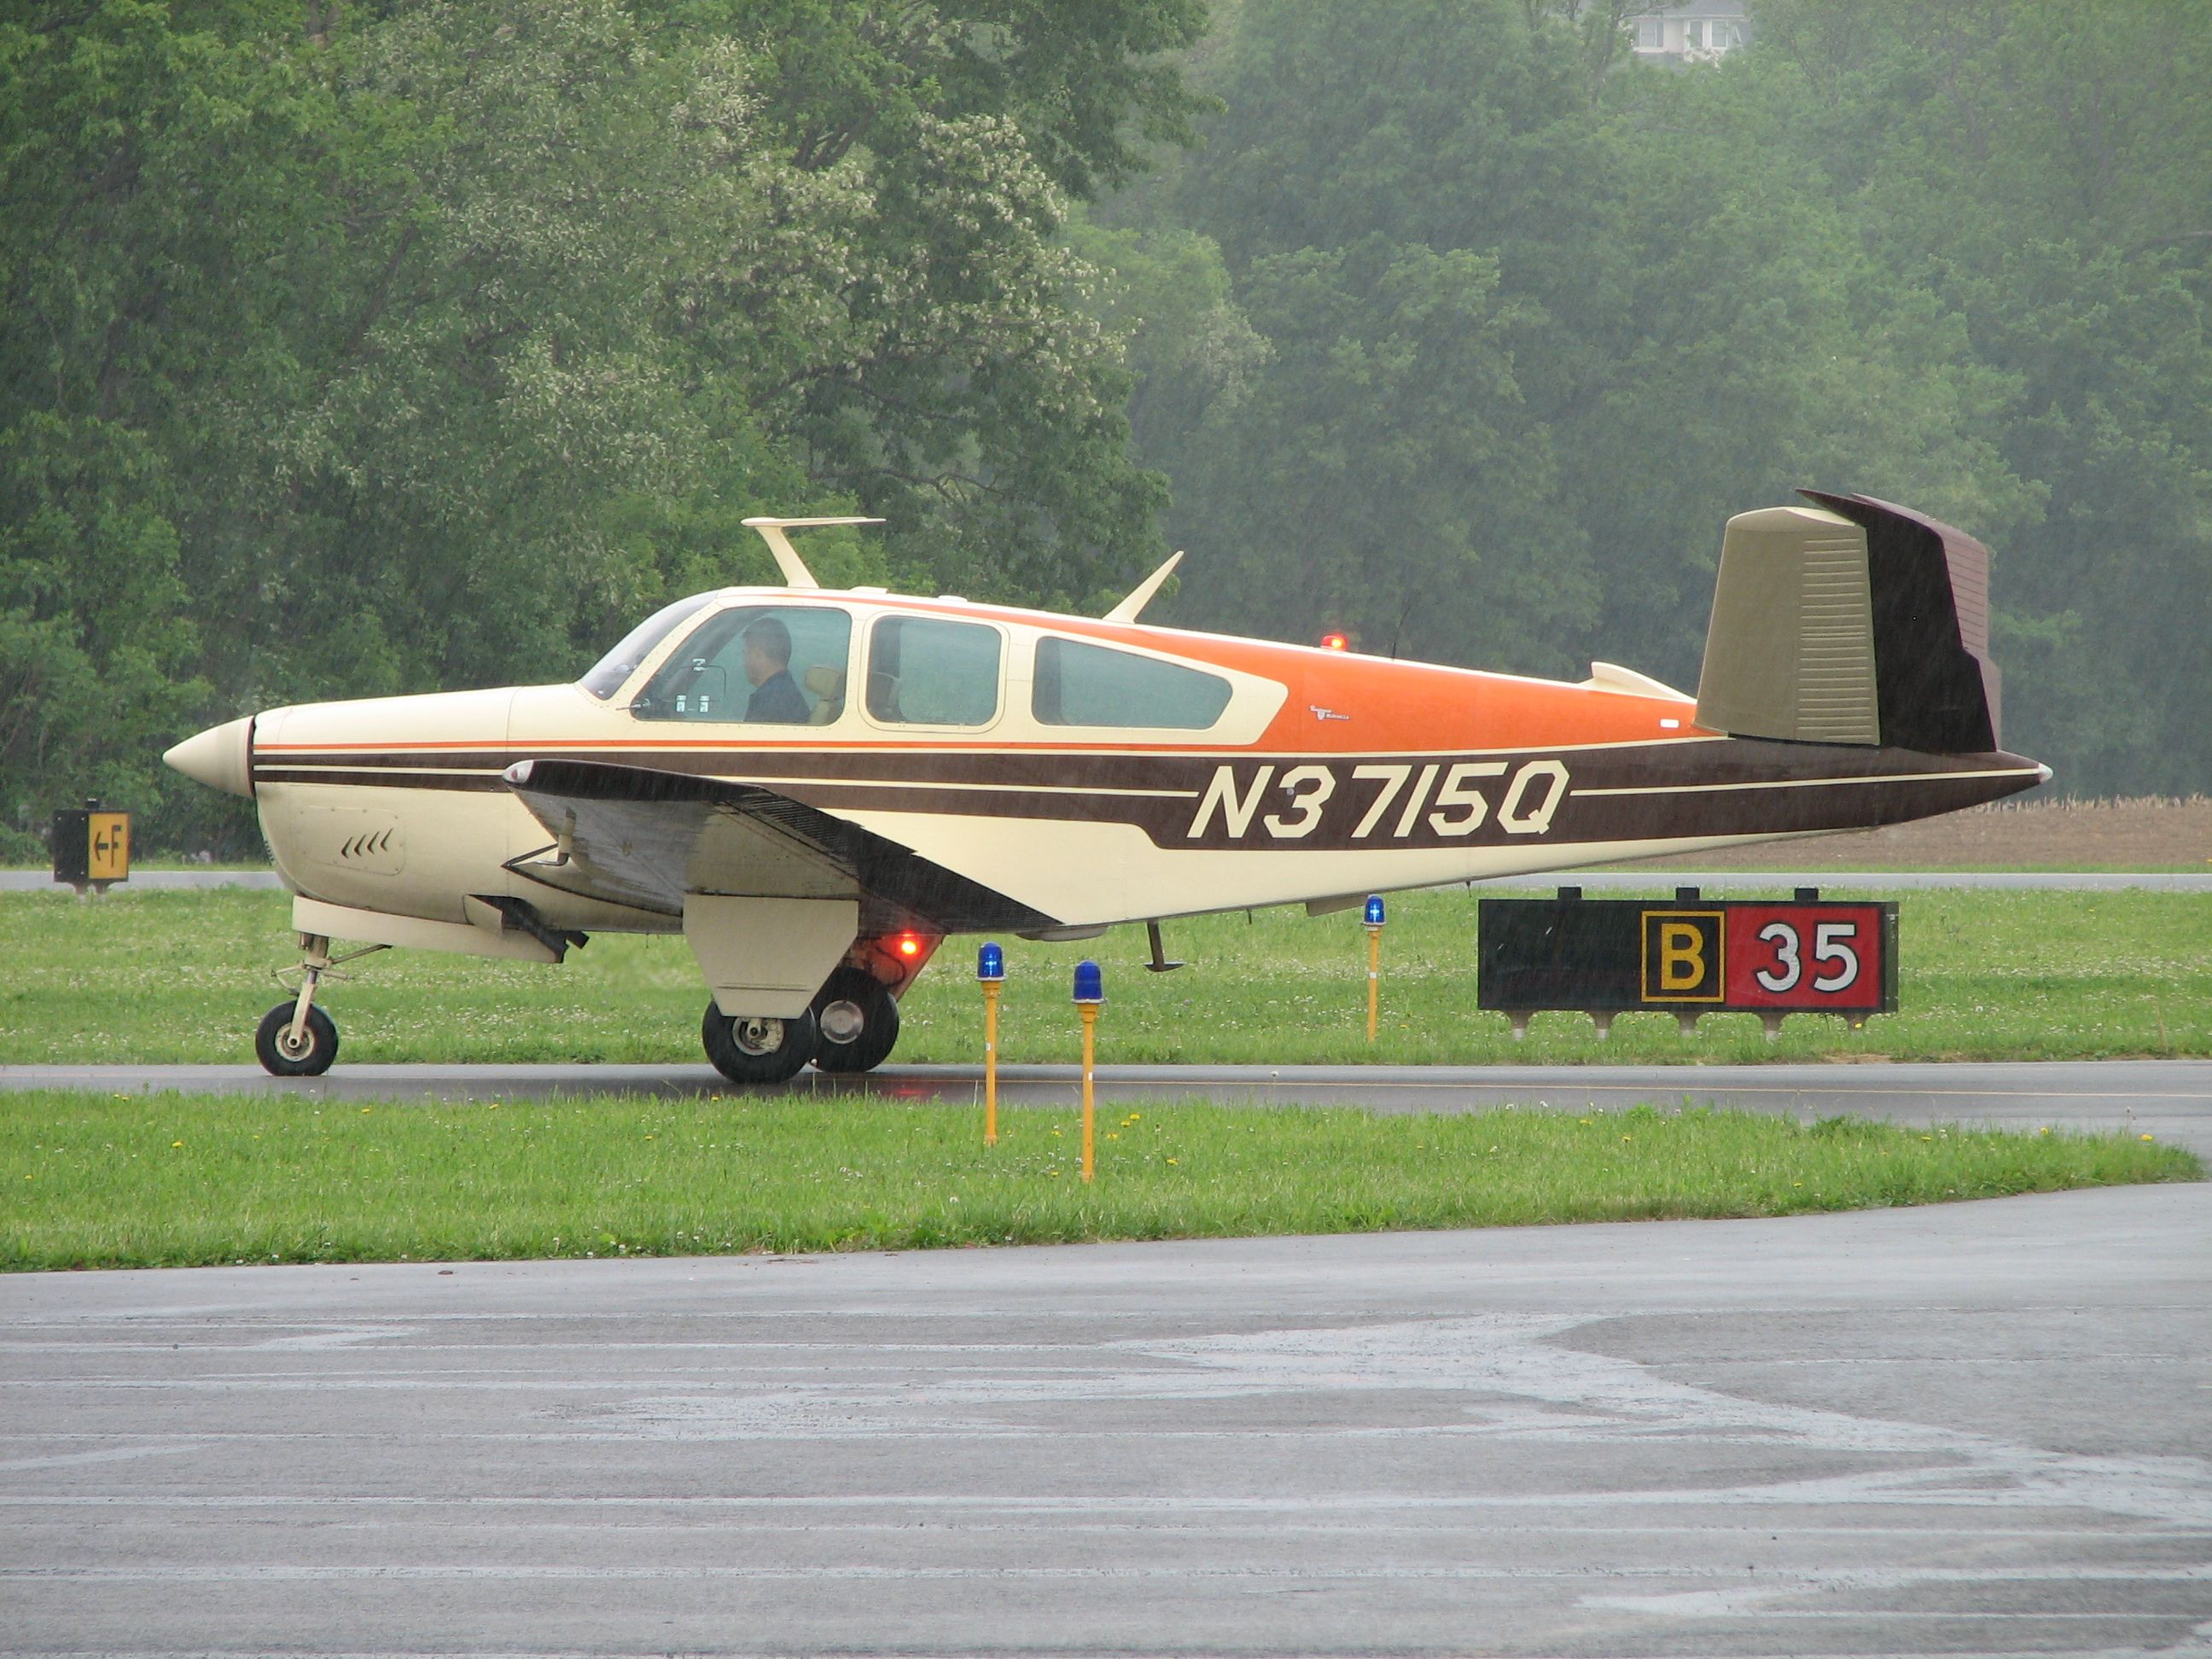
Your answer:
<point x="296" y="1038"/>
<point x="757" y="1048"/>
<point x="850" y="1028"/>
<point x="858" y="1021"/>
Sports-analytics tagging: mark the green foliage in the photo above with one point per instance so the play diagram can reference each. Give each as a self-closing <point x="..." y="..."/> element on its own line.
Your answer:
<point x="1079" y="83"/>
<point x="2036" y="170"/>
<point x="348" y="350"/>
<point x="375" y="349"/>
<point x="1405" y="482"/>
<point x="94" y="673"/>
<point x="1951" y="255"/>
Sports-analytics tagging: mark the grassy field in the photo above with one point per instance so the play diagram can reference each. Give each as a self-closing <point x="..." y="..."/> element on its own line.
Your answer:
<point x="2048" y="833"/>
<point x="179" y="1180"/>
<point x="182" y="976"/>
<point x="2041" y="832"/>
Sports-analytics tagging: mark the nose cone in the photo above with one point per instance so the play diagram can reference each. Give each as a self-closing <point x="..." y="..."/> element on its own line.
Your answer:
<point x="221" y="757"/>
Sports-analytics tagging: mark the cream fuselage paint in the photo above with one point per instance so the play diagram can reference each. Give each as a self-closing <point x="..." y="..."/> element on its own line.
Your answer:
<point x="332" y="778"/>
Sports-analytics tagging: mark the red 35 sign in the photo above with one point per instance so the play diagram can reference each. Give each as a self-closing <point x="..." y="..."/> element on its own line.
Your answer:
<point x="1810" y="957"/>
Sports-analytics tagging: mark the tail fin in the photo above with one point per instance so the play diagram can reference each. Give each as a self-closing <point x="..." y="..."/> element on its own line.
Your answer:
<point x="1853" y="621"/>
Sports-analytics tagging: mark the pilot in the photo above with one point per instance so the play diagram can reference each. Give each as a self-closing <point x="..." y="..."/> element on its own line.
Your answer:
<point x="776" y="698"/>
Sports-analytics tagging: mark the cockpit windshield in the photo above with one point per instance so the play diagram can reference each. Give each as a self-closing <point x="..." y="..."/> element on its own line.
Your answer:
<point x="609" y="673"/>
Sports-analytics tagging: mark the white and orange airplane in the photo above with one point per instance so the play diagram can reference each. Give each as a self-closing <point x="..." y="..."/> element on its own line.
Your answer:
<point x="816" y="787"/>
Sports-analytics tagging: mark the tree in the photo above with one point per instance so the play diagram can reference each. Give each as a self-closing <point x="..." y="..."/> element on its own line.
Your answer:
<point x="423" y="344"/>
<point x="1382" y="476"/>
<point x="1954" y="255"/>
<point x="2036" y="171"/>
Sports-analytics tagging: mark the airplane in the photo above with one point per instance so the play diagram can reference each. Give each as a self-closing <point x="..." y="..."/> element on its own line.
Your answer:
<point x="816" y="786"/>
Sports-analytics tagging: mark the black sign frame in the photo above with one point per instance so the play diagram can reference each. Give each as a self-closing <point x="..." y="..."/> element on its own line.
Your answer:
<point x="1687" y="956"/>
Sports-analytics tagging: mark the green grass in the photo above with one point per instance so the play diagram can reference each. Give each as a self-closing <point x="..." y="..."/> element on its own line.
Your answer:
<point x="151" y="977"/>
<point x="174" y="1180"/>
<point x="141" y="866"/>
<point x="1741" y="869"/>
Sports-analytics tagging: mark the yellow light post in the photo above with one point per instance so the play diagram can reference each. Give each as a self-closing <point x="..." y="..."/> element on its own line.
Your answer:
<point x="1374" y="964"/>
<point x="1090" y="994"/>
<point x="991" y="973"/>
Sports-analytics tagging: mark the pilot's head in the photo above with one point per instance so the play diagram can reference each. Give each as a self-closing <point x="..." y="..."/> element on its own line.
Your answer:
<point x="768" y="649"/>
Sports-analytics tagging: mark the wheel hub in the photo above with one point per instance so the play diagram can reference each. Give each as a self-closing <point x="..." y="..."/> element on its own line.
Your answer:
<point x="756" y="1036"/>
<point x="842" y="1021"/>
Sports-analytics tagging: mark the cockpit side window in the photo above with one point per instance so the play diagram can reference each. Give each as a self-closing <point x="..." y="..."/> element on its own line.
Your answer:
<point x="1081" y="685"/>
<point x="761" y="665"/>
<point x="608" y="674"/>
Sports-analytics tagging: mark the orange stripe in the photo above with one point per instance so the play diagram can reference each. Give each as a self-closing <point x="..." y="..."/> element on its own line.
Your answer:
<point x="1395" y="707"/>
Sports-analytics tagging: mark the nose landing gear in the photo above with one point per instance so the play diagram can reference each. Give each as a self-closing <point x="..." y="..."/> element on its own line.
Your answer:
<point x="296" y="1038"/>
<point x="288" y="1046"/>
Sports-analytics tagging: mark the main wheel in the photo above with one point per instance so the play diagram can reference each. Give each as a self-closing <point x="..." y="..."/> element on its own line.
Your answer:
<point x="859" y="1022"/>
<point x="318" y="1046"/>
<point x="756" y="1047"/>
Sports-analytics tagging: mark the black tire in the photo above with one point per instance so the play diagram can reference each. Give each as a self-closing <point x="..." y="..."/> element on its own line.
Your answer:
<point x="872" y="1045"/>
<point x="753" y="1048"/>
<point x="319" y="1042"/>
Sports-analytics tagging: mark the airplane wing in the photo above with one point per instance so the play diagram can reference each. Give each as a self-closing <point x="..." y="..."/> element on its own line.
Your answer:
<point x="638" y="836"/>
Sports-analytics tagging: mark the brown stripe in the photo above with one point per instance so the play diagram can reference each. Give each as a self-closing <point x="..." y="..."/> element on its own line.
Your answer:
<point x="1830" y="788"/>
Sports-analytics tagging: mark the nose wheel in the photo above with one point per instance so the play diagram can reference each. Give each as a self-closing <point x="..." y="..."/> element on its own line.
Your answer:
<point x="755" y="1048"/>
<point x="307" y="1052"/>
<point x="296" y="1038"/>
<point x="858" y="1021"/>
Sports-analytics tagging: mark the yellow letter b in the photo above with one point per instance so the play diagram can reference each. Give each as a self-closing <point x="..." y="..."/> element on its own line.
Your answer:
<point x="1681" y="957"/>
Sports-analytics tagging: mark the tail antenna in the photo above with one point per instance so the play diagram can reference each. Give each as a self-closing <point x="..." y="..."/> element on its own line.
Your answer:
<point x="1141" y="595"/>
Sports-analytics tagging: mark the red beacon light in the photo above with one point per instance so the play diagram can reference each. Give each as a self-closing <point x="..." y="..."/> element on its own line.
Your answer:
<point x="908" y="945"/>
<point x="1334" y="642"/>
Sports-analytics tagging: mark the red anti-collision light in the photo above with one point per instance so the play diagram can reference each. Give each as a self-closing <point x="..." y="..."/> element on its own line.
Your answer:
<point x="908" y="945"/>
<point x="1334" y="642"/>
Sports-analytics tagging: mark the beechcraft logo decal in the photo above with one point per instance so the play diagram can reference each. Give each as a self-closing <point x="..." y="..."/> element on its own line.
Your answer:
<point x="1378" y="801"/>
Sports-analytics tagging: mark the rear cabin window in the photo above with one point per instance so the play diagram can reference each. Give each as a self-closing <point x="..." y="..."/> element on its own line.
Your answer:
<point x="758" y="665"/>
<point x="924" y="670"/>
<point x="608" y="674"/>
<point x="1080" y="685"/>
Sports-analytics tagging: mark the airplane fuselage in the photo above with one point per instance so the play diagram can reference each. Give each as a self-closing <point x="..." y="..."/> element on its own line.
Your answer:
<point x="816" y="787"/>
<point x="1322" y="775"/>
